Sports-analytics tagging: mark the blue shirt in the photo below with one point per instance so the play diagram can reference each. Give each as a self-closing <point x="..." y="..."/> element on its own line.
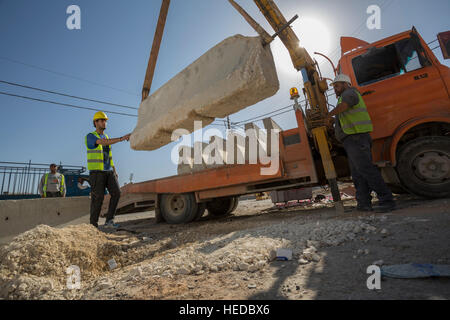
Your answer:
<point x="91" y="139"/>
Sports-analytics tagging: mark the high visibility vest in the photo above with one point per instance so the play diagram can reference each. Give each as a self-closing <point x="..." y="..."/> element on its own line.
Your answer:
<point x="356" y="119"/>
<point x="95" y="156"/>
<point x="61" y="187"/>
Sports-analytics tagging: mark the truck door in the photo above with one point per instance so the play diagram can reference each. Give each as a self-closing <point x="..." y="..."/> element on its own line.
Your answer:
<point x="397" y="81"/>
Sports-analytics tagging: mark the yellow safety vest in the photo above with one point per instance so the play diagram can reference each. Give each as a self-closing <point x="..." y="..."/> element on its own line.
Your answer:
<point x="95" y="156"/>
<point x="356" y="119"/>
<point x="61" y="188"/>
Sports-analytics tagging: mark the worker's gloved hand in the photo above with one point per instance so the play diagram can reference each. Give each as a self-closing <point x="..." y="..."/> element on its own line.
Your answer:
<point x="329" y="121"/>
<point x="126" y="137"/>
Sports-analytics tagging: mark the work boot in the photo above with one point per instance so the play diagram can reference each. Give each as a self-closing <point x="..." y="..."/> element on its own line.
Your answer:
<point x="385" y="207"/>
<point x="111" y="224"/>
<point x="364" y="208"/>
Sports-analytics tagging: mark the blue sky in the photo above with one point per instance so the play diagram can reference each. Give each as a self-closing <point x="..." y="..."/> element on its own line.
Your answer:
<point x="107" y="59"/>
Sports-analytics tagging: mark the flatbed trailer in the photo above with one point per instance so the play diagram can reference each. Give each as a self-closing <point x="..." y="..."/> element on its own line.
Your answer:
<point x="218" y="188"/>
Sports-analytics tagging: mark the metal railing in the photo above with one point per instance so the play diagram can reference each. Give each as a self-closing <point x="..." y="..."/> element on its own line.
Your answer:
<point x="22" y="178"/>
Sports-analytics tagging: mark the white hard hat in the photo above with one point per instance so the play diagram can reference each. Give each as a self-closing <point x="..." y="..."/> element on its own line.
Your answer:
<point x="342" y="78"/>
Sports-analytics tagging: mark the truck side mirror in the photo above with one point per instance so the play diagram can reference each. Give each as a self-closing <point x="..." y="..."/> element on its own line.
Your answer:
<point x="444" y="42"/>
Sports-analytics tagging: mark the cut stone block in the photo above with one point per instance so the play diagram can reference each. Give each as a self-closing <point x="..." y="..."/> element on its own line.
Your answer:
<point x="271" y="127"/>
<point x="235" y="148"/>
<point x="215" y="152"/>
<point x="186" y="165"/>
<point x="255" y="142"/>
<point x="235" y="74"/>
<point x="199" y="159"/>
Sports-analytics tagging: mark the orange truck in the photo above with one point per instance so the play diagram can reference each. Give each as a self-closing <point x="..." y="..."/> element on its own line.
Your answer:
<point x="406" y="90"/>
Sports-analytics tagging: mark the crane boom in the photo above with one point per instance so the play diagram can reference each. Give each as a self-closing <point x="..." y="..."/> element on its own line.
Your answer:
<point x="155" y="49"/>
<point x="315" y="87"/>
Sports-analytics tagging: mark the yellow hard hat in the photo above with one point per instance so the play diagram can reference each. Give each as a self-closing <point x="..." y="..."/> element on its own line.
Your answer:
<point x="100" y="115"/>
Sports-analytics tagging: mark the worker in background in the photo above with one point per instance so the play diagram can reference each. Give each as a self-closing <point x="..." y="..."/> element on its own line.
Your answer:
<point x="52" y="184"/>
<point x="352" y="128"/>
<point x="102" y="172"/>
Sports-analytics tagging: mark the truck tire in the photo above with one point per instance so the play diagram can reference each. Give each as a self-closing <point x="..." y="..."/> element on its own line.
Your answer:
<point x="178" y="208"/>
<point x="424" y="167"/>
<point x="236" y="202"/>
<point x="397" y="189"/>
<point x="200" y="211"/>
<point x="221" y="206"/>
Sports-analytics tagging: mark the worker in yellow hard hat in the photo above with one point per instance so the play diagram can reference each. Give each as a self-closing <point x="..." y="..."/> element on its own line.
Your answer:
<point x="102" y="172"/>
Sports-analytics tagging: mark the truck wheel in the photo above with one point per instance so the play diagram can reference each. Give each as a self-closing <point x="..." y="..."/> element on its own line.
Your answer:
<point x="397" y="189"/>
<point x="424" y="167"/>
<point x="221" y="206"/>
<point x="178" y="208"/>
<point x="200" y="211"/>
<point x="236" y="202"/>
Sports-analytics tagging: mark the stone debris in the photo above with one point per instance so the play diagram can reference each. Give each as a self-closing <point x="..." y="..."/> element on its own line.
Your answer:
<point x="112" y="264"/>
<point x="303" y="261"/>
<point x="378" y="263"/>
<point x="136" y="272"/>
<point x="33" y="265"/>
<point x="104" y="284"/>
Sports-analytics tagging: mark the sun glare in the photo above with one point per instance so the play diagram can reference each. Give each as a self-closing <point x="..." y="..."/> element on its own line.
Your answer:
<point x="314" y="36"/>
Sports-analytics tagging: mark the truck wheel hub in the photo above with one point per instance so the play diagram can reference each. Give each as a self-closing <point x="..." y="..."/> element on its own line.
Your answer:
<point x="432" y="166"/>
<point x="177" y="204"/>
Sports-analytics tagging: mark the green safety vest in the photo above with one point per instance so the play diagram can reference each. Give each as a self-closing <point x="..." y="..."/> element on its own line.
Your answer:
<point x="61" y="188"/>
<point x="356" y="119"/>
<point x="95" y="156"/>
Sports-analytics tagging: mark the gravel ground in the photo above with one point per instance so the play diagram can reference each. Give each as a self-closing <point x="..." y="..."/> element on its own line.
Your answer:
<point x="233" y="257"/>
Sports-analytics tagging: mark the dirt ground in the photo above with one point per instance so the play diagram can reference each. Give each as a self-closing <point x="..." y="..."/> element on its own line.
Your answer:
<point x="418" y="232"/>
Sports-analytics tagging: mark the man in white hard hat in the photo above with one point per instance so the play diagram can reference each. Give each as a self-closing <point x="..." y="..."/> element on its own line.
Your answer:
<point x="352" y="128"/>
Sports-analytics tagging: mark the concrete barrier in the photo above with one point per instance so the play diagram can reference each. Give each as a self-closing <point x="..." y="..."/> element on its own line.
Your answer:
<point x="235" y="74"/>
<point x="17" y="216"/>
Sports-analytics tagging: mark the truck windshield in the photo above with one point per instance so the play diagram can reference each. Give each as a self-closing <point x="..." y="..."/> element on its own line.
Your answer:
<point x="378" y="64"/>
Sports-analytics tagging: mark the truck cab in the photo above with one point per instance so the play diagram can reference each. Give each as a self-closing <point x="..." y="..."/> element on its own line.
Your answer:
<point x="406" y="90"/>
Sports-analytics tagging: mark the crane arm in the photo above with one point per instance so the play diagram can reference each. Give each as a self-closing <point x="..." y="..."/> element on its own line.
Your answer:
<point x="299" y="56"/>
<point x="155" y="49"/>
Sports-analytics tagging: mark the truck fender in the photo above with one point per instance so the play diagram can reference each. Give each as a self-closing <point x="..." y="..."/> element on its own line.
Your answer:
<point x="406" y="126"/>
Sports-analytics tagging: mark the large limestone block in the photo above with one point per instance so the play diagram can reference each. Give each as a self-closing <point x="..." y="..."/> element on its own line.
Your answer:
<point x="186" y="160"/>
<point x="235" y="74"/>
<point x="215" y="152"/>
<point x="235" y="148"/>
<point x="199" y="158"/>
<point x="273" y="133"/>
<point x="255" y="143"/>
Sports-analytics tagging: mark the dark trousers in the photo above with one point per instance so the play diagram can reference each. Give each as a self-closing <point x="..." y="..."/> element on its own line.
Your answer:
<point x="366" y="176"/>
<point x="53" y="194"/>
<point x="99" y="180"/>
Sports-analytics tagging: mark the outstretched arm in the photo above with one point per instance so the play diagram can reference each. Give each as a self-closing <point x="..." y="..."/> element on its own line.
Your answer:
<point x="108" y="142"/>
